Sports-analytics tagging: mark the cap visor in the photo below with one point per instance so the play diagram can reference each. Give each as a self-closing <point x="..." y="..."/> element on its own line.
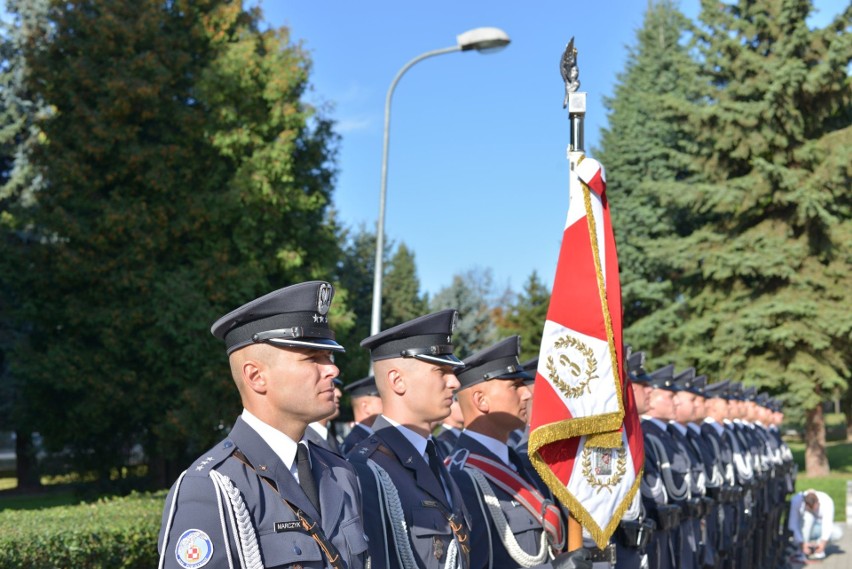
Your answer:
<point x="442" y="360"/>
<point x="309" y="343"/>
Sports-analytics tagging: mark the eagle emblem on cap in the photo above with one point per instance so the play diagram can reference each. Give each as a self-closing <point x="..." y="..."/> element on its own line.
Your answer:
<point x="324" y="298"/>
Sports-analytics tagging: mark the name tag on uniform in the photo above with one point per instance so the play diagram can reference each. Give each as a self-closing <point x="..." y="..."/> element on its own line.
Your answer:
<point x="287" y="526"/>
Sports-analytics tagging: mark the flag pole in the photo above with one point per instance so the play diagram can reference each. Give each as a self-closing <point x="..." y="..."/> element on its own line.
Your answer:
<point x="576" y="104"/>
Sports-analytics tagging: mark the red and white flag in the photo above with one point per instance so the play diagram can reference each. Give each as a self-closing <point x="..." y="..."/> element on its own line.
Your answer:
<point x="585" y="437"/>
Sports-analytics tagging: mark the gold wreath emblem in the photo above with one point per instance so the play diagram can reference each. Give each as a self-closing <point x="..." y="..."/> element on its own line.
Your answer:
<point x="608" y="483"/>
<point x="590" y="372"/>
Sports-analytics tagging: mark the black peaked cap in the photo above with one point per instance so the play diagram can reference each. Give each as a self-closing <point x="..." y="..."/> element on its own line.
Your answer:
<point x="295" y="316"/>
<point x="718" y="389"/>
<point x="663" y="378"/>
<point x="362" y="387"/>
<point x="499" y="361"/>
<point x="749" y="393"/>
<point x="699" y="384"/>
<point x="428" y="338"/>
<point x="636" y="368"/>
<point x="735" y="391"/>
<point x="531" y="367"/>
<point x="683" y="380"/>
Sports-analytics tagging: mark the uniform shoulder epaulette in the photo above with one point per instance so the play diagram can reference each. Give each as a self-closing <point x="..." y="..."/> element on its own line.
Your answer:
<point x="364" y="449"/>
<point x="212" y="458"/>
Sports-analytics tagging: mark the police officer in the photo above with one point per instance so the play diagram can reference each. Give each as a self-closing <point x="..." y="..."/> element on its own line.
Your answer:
<point x="728" y="495"/>
<point x="637" y="539"/>
<point x="264" y="495"/>
<point x="745" y="473"/>
<point x="689" y="406"/>
<point x="447" y="433"/>
<point x="415" y="514"/>
<point x="322" y="432"/>
<point x="366" y="406"/>
<point x="673" y="464"/>
<point x="504" y="500"/>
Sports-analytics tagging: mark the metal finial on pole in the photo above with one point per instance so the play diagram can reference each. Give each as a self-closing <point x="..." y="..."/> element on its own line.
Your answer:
<point x="574" y="101"/>
<point x="576" y="104"/>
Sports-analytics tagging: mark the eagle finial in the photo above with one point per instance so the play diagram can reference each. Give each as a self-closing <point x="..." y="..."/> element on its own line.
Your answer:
<point x="570" y="71"/>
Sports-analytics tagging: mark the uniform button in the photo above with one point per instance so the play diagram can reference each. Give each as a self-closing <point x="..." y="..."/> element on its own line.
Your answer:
<point x="297" y="550"/>
<point x="366" y="538"/>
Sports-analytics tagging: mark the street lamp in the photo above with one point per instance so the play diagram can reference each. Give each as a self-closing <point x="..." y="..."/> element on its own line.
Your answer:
<point x="483" y="40"/>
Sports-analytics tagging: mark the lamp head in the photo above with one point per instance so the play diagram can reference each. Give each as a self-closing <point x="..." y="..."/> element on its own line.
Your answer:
<point x="483" y="40"/>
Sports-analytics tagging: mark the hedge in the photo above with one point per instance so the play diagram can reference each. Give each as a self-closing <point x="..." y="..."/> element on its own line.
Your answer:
<point x="113" y="533"/>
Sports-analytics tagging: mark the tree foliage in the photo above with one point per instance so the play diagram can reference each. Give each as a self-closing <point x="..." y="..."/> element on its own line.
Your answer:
<point x="525" y="316"/>
<point x="184" y="175"/>
<point x="401" y="298"/>
<point x="471" y="294"/>
<point x="644" y="145"/>
<point x="759" y="258"/>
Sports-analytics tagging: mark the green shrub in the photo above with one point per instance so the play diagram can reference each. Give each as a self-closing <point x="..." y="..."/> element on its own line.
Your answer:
<point x="114" y="533"/>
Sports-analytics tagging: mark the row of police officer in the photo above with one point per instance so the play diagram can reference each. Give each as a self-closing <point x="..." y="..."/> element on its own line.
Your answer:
<point x="716" y="476"/>
<point x="268" y="496"/>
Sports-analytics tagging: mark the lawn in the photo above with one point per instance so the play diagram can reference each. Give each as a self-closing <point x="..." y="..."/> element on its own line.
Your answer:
<point x="840" y="462"/>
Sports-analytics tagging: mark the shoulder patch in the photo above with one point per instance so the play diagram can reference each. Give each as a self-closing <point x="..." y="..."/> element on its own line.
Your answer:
<point x="364" y="449"/>
<point x="212" y="458"/>
<point x="194" y="549"/>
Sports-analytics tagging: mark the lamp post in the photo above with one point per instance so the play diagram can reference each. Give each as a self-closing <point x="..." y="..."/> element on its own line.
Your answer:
<point x="484" y="40"/>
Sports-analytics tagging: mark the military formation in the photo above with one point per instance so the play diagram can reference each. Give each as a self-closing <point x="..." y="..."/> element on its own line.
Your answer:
<point x="434" y="471"/>
<point x="717" y="473"/>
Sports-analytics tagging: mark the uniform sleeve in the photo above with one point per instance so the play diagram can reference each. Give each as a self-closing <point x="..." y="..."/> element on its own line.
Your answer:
<point x="192" y="527"/>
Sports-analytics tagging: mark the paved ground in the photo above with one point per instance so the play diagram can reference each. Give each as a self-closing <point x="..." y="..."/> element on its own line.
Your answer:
<point x="838" y="555"/>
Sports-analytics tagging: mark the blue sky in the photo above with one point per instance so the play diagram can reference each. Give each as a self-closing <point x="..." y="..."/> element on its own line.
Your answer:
<point x="477" y="168"/>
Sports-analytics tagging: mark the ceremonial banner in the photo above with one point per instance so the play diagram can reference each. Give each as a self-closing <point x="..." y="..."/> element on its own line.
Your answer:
<point x="585" y="437"/>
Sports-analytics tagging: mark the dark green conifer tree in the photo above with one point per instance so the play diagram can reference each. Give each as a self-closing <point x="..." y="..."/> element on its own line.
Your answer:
<point x="760" y="258"/>
<point x="401" y="298"/>
<point x="643" y="146"/>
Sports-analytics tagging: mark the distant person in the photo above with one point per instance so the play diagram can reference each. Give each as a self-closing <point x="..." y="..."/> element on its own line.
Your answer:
<point x="812" y="523"/>
<point x="366" y="406"/>
<point x="447" y="433"/>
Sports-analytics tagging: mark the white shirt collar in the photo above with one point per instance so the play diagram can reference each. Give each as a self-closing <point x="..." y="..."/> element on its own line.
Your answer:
<point x="716" y="425"/>
<point x="680" y="428"/>
<point x="319" y="428"/>
<point x="500" y="449"/>
<point x="281" y="444"/>
<point x="365" y="427"/>
<point x="658" y="422"/>
<point x="418" y="442"/>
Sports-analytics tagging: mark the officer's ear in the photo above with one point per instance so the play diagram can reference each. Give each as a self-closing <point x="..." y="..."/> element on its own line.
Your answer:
<point x="396" y="381"/>
<point x="253" y="376"/>
<point x="480" y="400"/>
